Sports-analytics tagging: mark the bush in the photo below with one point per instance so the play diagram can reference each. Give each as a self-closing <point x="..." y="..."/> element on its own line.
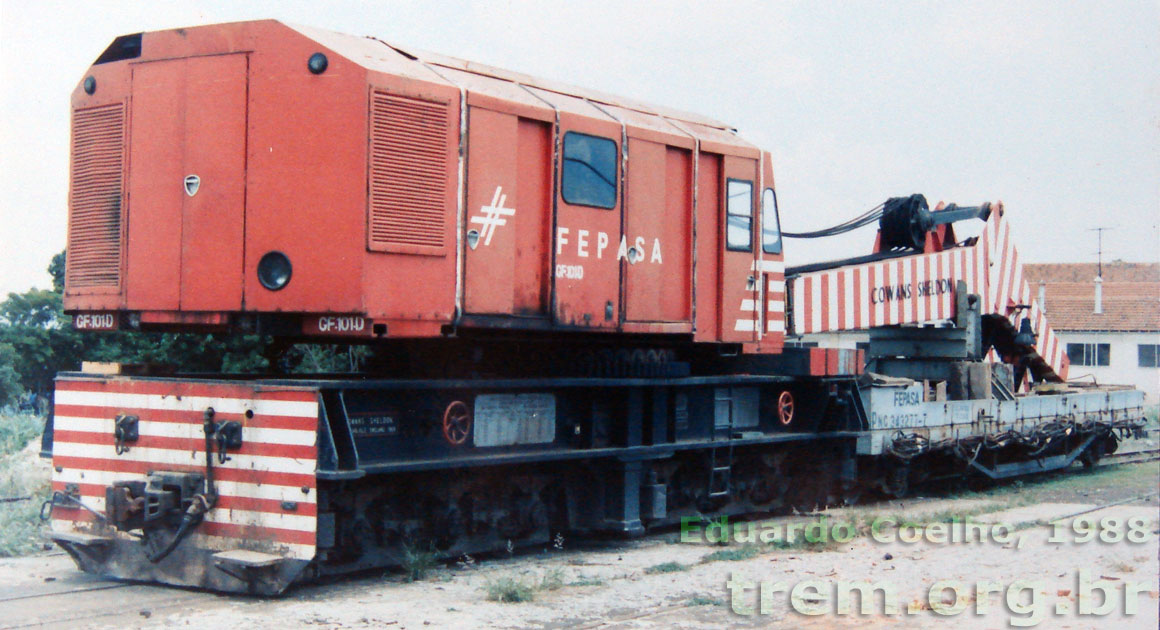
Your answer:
<point x="22" y="474"/>
<point x="732" y="555"/>
<point x="666" y="567"/>
<point x="17" y="431"/>
<point x="417" y="563"/>
<point x="509" y="590"/>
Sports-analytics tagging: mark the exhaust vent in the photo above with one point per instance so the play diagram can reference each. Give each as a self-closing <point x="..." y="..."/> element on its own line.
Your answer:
<point x="96" y="192"/>
<point x="408" y="173"/>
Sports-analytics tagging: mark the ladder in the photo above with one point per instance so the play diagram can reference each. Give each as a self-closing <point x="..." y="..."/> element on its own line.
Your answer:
<point x="721" y="475"/>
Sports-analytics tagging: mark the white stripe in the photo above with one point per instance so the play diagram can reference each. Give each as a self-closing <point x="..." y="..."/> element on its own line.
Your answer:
<point x="187" y="430"/>
<point x="125" y="400"/>
<point x="744" y="325"/>
<point x="939" y="268"/>
<point x="257" y="464"/>
<point x="863" y="297"/>
<point x="777" y="286"/>
<point x="892" y="316"/>
<point x="998" y="268"/>
<point x="832" y="301"/>
<point x="748" y="306"/>
<point x="239" y="517"/>
<point x="816" y="303"/>
<point x="850" y="305"/>
<point x="221" y="543"/>
<point x="776" y="325"/>
<point x="224" y="488"/>
<point x="879" y="280"/>
<point x="908" y="303"/>
<point x="799" y="305"/>
<point x="776" y="306"/>
<point x="969" y="270"/>
<point x="919" y="278"/>
<point x="956" y="275"/>
<point x="766" y="266"/>
<point x="1018" y="285"/>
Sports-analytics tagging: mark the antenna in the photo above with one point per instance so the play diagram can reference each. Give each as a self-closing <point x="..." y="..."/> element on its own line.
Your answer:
<point x="1099" y="249"/>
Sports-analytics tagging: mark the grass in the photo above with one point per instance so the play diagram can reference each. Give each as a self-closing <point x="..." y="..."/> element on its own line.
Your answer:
<point x="17" y="431"/>
<point x="801" y="544"/>
<point x="666" y="567"/>
<point x="417" y="563"/>
<point x="509" y="590"/>
<point x="744" y="552"/>
<point x="553" y="580"/>
<point x="587" y="581"/>
<point x="20" y="526"/>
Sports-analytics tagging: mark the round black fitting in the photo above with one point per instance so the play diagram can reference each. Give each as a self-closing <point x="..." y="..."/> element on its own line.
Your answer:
<point x="90" y="85"/>
<point x="274" y="270"/>
<point x="317" y="63"/>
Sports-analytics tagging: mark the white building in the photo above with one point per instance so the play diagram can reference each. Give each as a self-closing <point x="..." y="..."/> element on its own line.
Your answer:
<point x="1110" y="326"/>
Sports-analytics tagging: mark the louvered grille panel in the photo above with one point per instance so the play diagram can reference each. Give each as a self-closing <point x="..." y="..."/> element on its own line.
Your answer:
<point x="94" y="229"/>
<point x="408" y="174"/>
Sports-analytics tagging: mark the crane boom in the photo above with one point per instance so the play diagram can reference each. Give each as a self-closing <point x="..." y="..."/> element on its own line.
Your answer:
<point x="896" y="287"/>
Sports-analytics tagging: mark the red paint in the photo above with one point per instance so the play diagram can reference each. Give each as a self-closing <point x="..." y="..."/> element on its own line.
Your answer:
<point x="367" y="176"/>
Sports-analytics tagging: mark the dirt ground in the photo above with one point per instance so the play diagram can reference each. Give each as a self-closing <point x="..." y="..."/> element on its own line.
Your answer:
<point x="661" y="582"/>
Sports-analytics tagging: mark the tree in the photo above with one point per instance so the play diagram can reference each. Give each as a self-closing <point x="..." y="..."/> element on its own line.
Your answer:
<point x="41" y="342"/>
<point x="56" y="270"/>
<point x="10" y="389"/>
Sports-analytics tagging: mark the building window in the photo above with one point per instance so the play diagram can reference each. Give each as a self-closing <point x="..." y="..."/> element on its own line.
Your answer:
<point x="739" y="215"/>
<point x="589" y="177"/>
<point x="1092" y="354"/>
<point x="1149" y="355"/>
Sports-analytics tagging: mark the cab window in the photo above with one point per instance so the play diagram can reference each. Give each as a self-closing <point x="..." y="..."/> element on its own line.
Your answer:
<point x="770" y="224"/>
<point x="739" y="215"/>
<point x="589" y="171"/>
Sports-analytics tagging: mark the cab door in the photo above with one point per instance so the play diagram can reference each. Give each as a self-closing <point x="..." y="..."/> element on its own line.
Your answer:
<point x="187" y="183"/>
<point x="770" y="265"/>
<point x="509" y="200"/>
<point x="589" y="248"/>
<point x="740" y="281"/>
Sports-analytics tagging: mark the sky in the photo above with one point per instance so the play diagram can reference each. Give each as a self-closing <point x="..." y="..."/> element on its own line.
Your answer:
<point x="1051" y="107"/>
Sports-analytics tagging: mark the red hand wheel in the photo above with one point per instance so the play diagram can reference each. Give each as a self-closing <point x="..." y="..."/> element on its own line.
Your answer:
<point x="785" y="408"/>
<point x="457" y="423"/>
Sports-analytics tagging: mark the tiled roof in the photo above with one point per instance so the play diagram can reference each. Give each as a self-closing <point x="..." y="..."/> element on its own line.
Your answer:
<point x="1131" y="295"/>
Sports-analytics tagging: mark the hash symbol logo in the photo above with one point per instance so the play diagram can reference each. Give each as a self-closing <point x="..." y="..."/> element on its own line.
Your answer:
<point x="493" y="215"/>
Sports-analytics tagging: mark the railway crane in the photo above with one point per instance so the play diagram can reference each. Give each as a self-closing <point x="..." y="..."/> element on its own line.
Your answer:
<point x="578" y="308"/>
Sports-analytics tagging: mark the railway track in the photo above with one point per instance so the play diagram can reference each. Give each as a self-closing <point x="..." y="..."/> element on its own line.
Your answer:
<point x="79" y="600"/>
<point x="1131" y="457"/>
<point x="98" y="602"/>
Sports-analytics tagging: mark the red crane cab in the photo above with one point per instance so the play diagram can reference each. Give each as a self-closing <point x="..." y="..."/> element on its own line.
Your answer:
<point x="269" y="177"/>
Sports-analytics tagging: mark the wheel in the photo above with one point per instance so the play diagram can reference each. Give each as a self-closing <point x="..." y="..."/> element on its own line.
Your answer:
<point x="785" y="408"/>
<point x="456" y="423"/>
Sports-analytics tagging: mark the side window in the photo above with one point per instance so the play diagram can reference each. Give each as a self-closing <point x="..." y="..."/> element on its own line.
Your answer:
<point x="589" y="171"/>
<point x="1149" y="355"/>
<point x="739" y="215"/>
<point x="1091" y="354"/>
<point x="770" y="224"/>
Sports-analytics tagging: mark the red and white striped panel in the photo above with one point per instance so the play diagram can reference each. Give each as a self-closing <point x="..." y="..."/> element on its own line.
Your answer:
<point x="772" y="273"/>
<point x="921" y="288"/>
<point x="901" y="290"/>
<point x="274" y="467"/>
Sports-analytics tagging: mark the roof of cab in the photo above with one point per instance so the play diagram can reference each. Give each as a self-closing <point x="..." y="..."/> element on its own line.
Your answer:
<point x="380" y="56"/>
